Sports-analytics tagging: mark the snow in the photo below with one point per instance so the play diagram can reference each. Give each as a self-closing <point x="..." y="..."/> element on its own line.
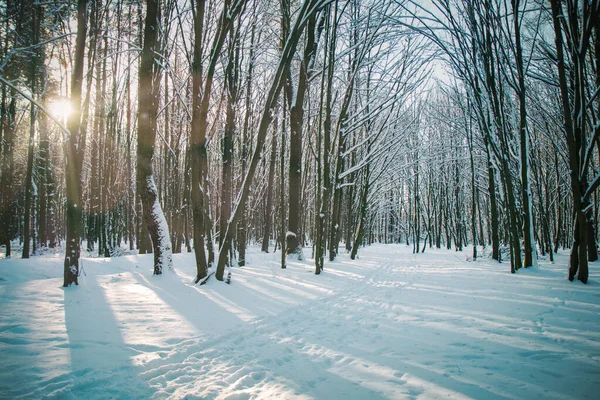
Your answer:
<point x="391" y="325"/>
<point x="164" y="239"/>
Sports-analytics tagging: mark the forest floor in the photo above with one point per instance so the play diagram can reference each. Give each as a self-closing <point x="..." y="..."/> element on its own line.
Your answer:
<point x="389" y="325"/>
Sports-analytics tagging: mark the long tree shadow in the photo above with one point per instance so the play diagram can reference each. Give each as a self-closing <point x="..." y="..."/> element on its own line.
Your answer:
<point x="101" y="361"/>
<point x="188" y="305"/>
<point x="33" y="360"/>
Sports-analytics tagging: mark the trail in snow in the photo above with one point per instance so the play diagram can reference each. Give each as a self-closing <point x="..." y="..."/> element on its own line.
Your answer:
<point x="390" y="325"/>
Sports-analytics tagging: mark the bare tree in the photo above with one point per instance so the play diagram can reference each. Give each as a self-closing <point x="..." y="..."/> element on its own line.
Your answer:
<point x="148" y="92"/>
<point x="579" y="21"/>
<point x="305" y="13"/>
<point x="74" y="157"/>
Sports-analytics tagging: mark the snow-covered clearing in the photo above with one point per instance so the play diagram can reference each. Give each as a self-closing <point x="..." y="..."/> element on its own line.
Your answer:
<point x="390" y="325"/>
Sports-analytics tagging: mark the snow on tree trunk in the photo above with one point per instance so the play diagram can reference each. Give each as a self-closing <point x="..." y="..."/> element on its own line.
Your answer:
<point x="149" y="90"/>
<point x="159" y="231"/>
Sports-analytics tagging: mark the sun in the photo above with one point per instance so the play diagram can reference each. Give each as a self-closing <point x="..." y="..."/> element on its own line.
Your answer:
<point x="61" y="108"/>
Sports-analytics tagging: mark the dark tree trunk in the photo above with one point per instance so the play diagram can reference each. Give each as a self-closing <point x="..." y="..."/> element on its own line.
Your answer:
<point x="200" y="107"/>
<point x="231" y="77"/>
<point x="268" y="215"/>
<point x="574" y="122"/>
<point x="44" y="177"/>
<point x="130" y="214"/>
<point x="362" y="215"/>
<point x="148" y="92"/>
<point x="294" y="236"/>
<point x="75" y="153"/>
<point x="241" y="227"/>
<point x="473" y="193"/>
<point x="8" y="212"/>
<point x="524" y="142"/>
<point x="324" y="158"/>
<point x="36" y="16"/>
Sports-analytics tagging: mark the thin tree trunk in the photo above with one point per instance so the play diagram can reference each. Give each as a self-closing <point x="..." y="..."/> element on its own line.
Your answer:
<point x="200" y="107"/>
<point x="578" y="260"/>
<point x="362" y="215"/>
<point x="36" y="17"/>
<point x="231" y="74"/>
<point x="307" y="9"/>
<point x="293" y="238"/>
<point x="524" y="143"/>
<point x="242" y="226"/>
<point x="282" y="242"/>
<point x="324" y="158"/>
<point x="270" y="183"/>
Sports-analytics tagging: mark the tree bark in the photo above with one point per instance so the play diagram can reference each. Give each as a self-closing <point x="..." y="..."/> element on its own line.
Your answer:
<point x="75" y="153"/>
<point x="149" y="90"/>
<point x="268" y="215"/>
<point x="293" y="237"/>
<point x="200" y="107"/>
<point x="36" y="15"/>
<point x="524" y="142"/>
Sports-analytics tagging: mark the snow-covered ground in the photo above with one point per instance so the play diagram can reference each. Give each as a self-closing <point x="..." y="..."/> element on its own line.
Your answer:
<point x="390" y="325"/>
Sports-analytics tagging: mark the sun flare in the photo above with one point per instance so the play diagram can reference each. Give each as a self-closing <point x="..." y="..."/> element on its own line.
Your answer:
<point x="61" y="109"/>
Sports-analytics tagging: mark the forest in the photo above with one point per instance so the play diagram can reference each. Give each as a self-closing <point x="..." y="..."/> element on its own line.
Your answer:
<point x="309" y="127"/>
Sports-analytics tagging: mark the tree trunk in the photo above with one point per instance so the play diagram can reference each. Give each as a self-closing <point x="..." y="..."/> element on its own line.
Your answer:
<point x="231" y="85"/>
<point x="575" y="138"/>
<point x="36" y="18"/>
<point x="200" y="107"/>
<point x="75" y="153"/>
<point x="293" y="238"/>
<point x="524" y="143"/>
<point x="268" y="214"/>
<point x="473" y="192"/>
<point x="307" y="9"/>
<point x="241" y="227"/>
<point x="149" y="90"/>
<point x="324" y="153"/>
<point x="362" y="215"/>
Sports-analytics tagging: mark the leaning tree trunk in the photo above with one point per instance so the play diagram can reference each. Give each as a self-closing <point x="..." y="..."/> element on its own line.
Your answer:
<point x="308" y="8"/>
<point x="149" y="90"/>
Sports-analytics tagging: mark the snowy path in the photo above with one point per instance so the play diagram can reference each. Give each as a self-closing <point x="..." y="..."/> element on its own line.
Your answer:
<point x="391" y="325"/>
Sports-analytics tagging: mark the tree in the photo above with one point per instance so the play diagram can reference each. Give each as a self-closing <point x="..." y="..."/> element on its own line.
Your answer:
<point x="12" y="70"/>
<point x="36" y="16"/>
<point x="74" y="157"/>
<point x="201" y="96"/>
<point x="307" y="9"/>
<point x="294" y="236"/>
<point x="579" y="21"/>
<point x="148" y="100"/>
